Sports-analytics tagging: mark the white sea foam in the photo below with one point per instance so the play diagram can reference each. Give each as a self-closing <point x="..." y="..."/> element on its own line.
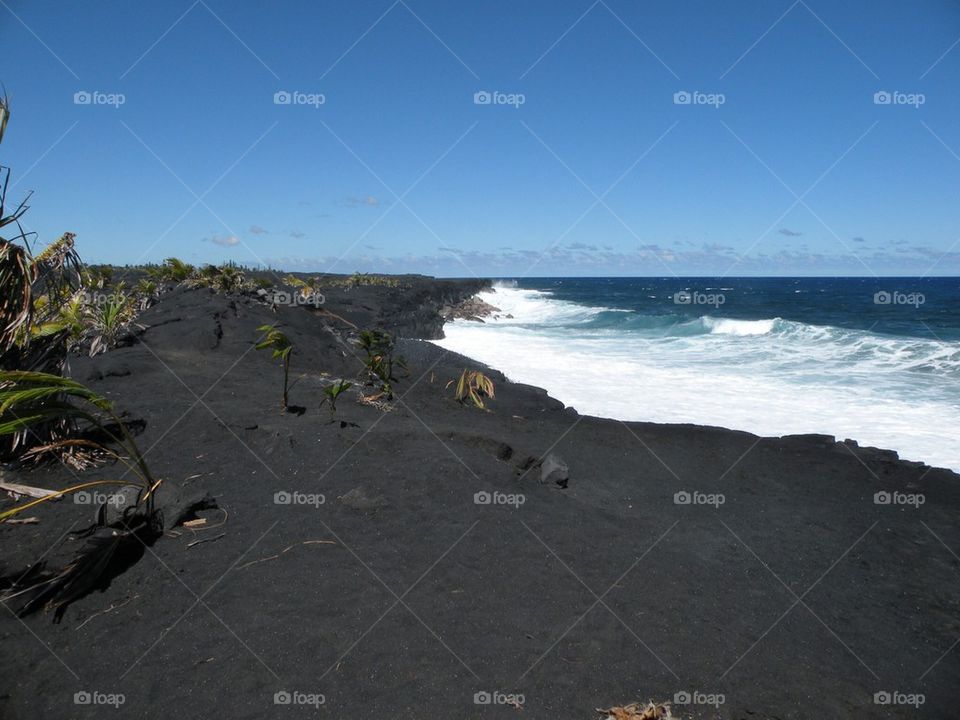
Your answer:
<point x="769" y="376"/>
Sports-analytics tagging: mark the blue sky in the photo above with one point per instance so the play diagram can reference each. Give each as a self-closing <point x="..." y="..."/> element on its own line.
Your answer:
<point x="587" y="162"/>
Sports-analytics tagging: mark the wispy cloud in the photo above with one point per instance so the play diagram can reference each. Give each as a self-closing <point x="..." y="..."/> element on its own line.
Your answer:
<point x="366" y="201"/>
<point x="225" y="240"/>
<point x="257" y="230"/>
<point x="297" y="234"/>
<point x="789" y="233"/>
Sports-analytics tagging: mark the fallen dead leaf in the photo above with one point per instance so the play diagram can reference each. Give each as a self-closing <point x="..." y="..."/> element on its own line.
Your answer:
<point x="27" y="490"/>
<point x="635" y="711"/>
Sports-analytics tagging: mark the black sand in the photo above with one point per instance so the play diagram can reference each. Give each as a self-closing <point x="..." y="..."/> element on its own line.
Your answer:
<point x="399" y="597"/>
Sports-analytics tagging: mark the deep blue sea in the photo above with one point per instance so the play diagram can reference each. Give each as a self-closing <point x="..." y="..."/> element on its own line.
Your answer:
<point x="875" y="360"/>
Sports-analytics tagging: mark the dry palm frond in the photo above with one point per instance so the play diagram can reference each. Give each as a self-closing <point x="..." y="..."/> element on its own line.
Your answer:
<point x="4" y="114"/>
<point x="16" y="279"/>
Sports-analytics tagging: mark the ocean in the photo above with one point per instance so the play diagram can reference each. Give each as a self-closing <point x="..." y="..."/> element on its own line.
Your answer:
<point x="874" y="360"/>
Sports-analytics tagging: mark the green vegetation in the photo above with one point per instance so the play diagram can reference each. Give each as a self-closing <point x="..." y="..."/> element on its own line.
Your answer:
<point x="332" y="392"/>
<point x="380" y="362"/>
<point x="282" y="347"/>
<point x="473" y="385"/>
<point x="172" y="270"/>
<point x="318" y="283"/>
<point x="222" y="278"/>
<point x="31" y="400"/>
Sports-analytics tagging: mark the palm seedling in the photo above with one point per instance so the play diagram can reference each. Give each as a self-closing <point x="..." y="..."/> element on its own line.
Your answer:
<point x="332" y="392"/>
<point x="379" y="361"/>
<point x="282" y="347"/>
<point x="473" y="385"/>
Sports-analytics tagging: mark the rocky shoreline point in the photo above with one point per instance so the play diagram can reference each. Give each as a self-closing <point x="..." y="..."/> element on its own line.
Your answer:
<point x="474" y="308"/>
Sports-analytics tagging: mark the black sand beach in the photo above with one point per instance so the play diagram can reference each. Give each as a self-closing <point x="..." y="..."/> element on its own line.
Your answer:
<point x="399" y="596"/>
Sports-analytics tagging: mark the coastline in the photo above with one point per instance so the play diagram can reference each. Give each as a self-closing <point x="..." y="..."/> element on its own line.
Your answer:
<point x="400" y="593"/>
<point x="760" y="374"/>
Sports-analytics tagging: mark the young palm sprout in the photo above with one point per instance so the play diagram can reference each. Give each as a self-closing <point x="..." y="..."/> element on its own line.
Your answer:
<point x="473" y="385"/>
<point x="282" y="347"/>
<point x="332" y="392"/>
